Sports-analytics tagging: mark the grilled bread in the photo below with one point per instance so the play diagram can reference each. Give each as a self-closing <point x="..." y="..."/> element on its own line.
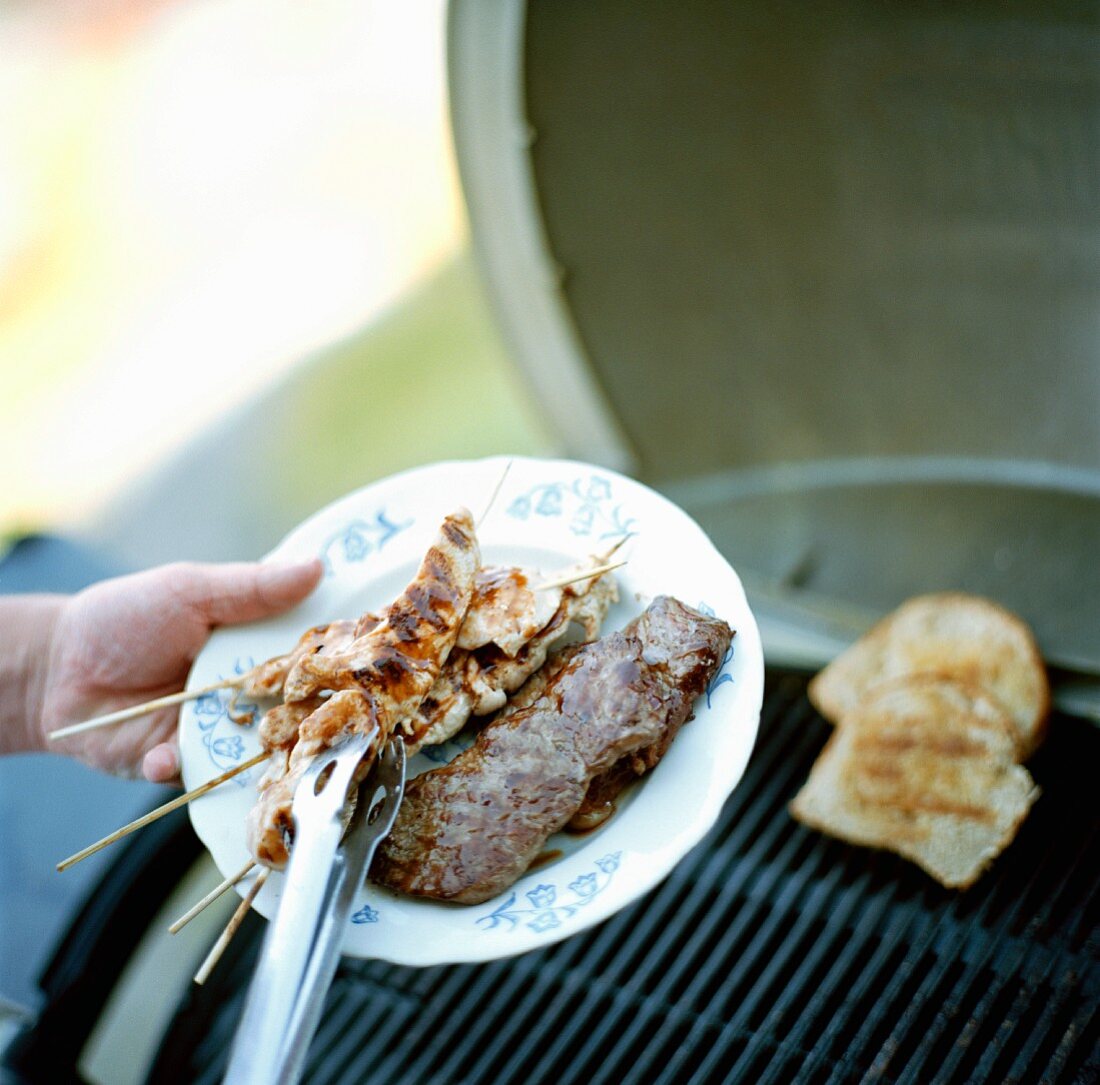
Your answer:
<point x="952" y="635"/>
<point x="926" y="767"/>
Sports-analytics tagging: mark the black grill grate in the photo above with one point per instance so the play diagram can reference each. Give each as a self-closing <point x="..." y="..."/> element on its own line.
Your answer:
<point x="771" y="954"/>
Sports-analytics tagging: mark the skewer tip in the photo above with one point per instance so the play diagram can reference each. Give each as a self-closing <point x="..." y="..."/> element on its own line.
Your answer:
<point x="495" y="494"/>
<point x="226" y="936"/>
<point x="160" y="811"/>
<point x="217" y="891"/>
<point x="580" y="577"/>
<point x="608" y="555"/>
<point x="144" y="709"/>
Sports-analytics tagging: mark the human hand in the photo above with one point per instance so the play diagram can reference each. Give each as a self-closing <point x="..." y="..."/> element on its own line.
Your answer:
<point x="129" y="640"/>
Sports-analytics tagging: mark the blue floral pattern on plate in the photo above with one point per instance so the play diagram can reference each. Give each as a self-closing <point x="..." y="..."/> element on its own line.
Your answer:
<point x="588" y="500"/>
<point x="549" y="910"/>
<point x="366" y="914"/>
<point x="721" y="677"/>
<point x="356" y="541"/>
<point x="211" y="709"/>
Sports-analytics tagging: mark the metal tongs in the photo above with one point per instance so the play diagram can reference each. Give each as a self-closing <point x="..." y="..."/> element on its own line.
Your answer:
<point x="302" y="945"/>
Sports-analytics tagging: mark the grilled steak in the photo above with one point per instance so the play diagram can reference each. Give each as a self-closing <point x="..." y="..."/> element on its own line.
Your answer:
<point x="470" y="829"/>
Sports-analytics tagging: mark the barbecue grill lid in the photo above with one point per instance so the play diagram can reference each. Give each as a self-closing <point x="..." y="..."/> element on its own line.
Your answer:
<point x="828" y="277"/>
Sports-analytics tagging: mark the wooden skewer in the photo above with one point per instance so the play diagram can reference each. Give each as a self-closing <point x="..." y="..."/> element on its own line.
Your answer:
<point x="608" y="555"/>
<point x="495" y="494"/>
<point x="160" y="811"/>
<point x="210" y="897"/>
<point x="144" y="709"/>
<point x="226" y="936"/>
<point x="574" y="578"/>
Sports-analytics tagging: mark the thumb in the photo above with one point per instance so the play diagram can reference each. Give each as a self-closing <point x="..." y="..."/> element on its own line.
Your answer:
<point x="245" y="592"/>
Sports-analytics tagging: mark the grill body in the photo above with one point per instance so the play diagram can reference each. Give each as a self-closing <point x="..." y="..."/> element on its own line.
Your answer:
<point x="771" y="954"/>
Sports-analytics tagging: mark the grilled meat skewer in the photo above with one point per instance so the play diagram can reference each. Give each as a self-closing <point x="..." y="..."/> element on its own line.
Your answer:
<point x="379" y="678"/>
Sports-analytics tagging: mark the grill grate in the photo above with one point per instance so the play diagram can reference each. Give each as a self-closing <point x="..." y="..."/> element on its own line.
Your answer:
<point x="771" y="954"/>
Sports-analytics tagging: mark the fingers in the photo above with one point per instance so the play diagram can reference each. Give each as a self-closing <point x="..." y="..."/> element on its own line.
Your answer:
<point x="232" y="593"/>
<point x="162" y="764"/>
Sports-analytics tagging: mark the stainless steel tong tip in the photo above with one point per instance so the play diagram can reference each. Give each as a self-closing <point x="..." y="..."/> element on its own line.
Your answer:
<point x="388" y="777"/>
<point x="323" y="789"/>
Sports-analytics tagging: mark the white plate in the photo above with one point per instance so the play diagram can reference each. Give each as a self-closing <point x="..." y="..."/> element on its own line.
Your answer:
<point x="549" y="514"/>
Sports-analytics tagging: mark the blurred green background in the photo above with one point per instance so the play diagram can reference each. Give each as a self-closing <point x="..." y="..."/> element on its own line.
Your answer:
<point x="234" y="271"/>
<point x="235" y="284"/>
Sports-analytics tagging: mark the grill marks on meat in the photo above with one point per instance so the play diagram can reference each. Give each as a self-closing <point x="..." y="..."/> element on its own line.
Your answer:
<point x="466" y="831"/>
<point x="379" y="679"/>
<point x="400" y="658"/>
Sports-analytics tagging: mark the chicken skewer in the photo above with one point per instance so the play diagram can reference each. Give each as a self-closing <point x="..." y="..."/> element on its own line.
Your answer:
<point x="459" y="692"/>
<point x="505" y="637"/>
<point x="398" y="650"/>
<point x="265" y="679"/>
<point x="378" y="679"/>
<point x="439" y="595"/>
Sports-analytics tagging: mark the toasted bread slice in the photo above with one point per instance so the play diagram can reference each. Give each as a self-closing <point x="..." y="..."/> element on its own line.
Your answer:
<point x="950" y="634"/>
<point x="924" y="767"/>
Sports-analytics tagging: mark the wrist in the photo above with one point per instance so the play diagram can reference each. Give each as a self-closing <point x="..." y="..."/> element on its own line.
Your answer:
<point x="29" y="625"/>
